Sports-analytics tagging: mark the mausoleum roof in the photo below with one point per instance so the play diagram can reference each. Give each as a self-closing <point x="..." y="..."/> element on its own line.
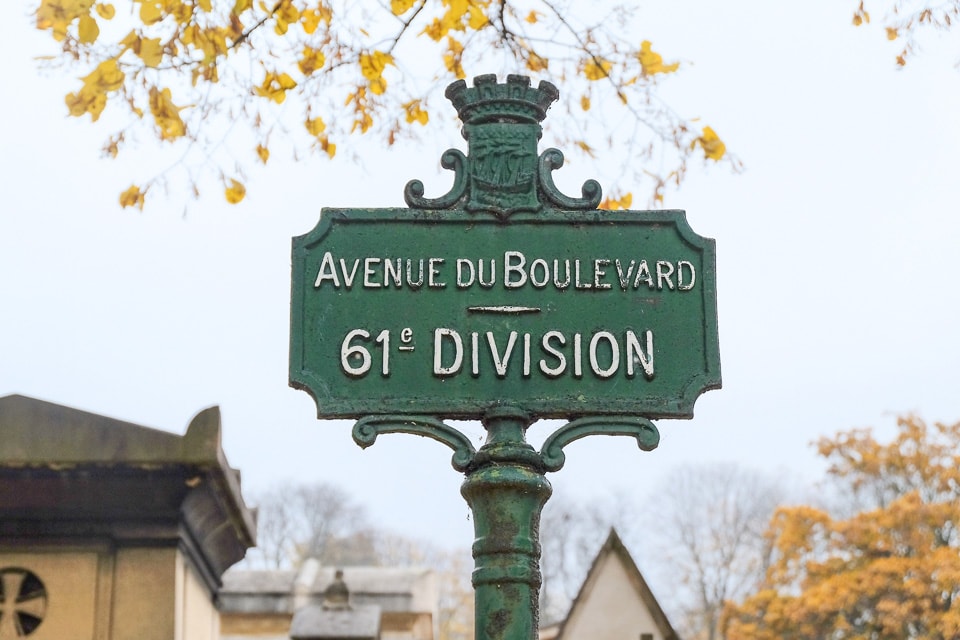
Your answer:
<point x="72" y="474"/>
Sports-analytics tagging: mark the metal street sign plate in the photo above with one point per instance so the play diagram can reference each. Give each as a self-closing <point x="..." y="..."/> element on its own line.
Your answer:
<point x="503" y="291"/>
<point x="444" y="313"/>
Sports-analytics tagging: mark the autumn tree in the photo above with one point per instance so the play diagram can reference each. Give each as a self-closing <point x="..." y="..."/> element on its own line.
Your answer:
<point x="891" y="570"/>
<point x="908" y="21"/>
<point x="230" y="82"/>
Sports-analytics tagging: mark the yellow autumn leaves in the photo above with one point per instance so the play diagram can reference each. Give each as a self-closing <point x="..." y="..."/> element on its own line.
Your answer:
<point x="372" y="66"/>
<point x="860" y="16"/>
<point x="166" y="114"/>
<point x="460" y="15"/>
<point x="108" y="77"/>
<point x="887" y="567"/>
<point x="275" y="86"/>
<point x="713" y="147"/>
<point x="133" y="197"/>
<point x="87" y="29"/>
<point x="311" y="60"/>
<point x="453" y="58"/>
<point x="596" y="68"/>
<point x="235" y="191"/>
<point x="58" y="15"/>
<point x="187" y="64"/>
<point x="316" y="127"/>
<point x="651" y="62"/>
<point x="92" y="97"/>
<point x="614" y="203"/>
<point x="905" y="21"/>
<point x="147" y="49"/>
<point x="415" y="112"/>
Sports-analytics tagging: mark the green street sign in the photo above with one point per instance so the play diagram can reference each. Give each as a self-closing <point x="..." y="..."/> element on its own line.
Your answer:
<point x="503" y="292"/>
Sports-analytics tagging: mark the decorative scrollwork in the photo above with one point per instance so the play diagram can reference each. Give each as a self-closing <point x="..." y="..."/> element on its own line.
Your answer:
<point x="366" y="430"/>
<point x="642" y="429"/>
<point x="452" y="159"/>
<point x="591" y="191"/>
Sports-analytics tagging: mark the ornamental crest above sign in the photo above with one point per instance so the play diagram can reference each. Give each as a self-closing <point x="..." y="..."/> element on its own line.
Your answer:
<point x="503" y="292"/>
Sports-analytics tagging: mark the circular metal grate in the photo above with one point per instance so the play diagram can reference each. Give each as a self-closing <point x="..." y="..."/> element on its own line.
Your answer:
<point x="23" y="602"/>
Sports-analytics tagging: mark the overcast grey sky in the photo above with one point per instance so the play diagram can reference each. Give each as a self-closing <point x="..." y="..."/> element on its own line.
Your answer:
<point x="837" y="265"/>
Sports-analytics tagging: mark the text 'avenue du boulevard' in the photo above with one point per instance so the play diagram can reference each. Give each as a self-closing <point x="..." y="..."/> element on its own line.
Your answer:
<point x="516" y="270"/>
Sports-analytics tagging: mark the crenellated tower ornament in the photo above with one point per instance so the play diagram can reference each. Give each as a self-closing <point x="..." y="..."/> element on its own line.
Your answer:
<point x="501" y="173"/>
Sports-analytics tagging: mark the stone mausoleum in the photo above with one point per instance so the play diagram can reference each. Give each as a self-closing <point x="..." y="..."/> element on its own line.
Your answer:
<point x="114" y="531"/>
<point x="324" y="603"/>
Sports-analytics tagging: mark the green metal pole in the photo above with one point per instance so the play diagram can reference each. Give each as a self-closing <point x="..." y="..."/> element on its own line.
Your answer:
<point x="506" y="490"/>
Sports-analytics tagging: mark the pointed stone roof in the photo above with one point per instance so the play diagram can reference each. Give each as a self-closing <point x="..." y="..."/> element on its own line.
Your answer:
<point x="614" y="557"/>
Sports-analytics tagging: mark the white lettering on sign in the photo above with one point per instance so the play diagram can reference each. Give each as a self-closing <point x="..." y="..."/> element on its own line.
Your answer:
<point x="517" y="271"/>
<point x="369" y="266"/>
<point x="553" y="354"/>
<point x="355" y="359"/>
<point x="483" y="273"/>
<point x="438" y="367"/>
<point x="607" y="353"/>
<point x="433" y="280"/>
<point x="379" y="272"/>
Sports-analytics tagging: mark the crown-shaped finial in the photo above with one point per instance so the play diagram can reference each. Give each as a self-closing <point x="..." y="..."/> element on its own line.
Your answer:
<point x="502" y="173"/>
<point x="515" y="101"/>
